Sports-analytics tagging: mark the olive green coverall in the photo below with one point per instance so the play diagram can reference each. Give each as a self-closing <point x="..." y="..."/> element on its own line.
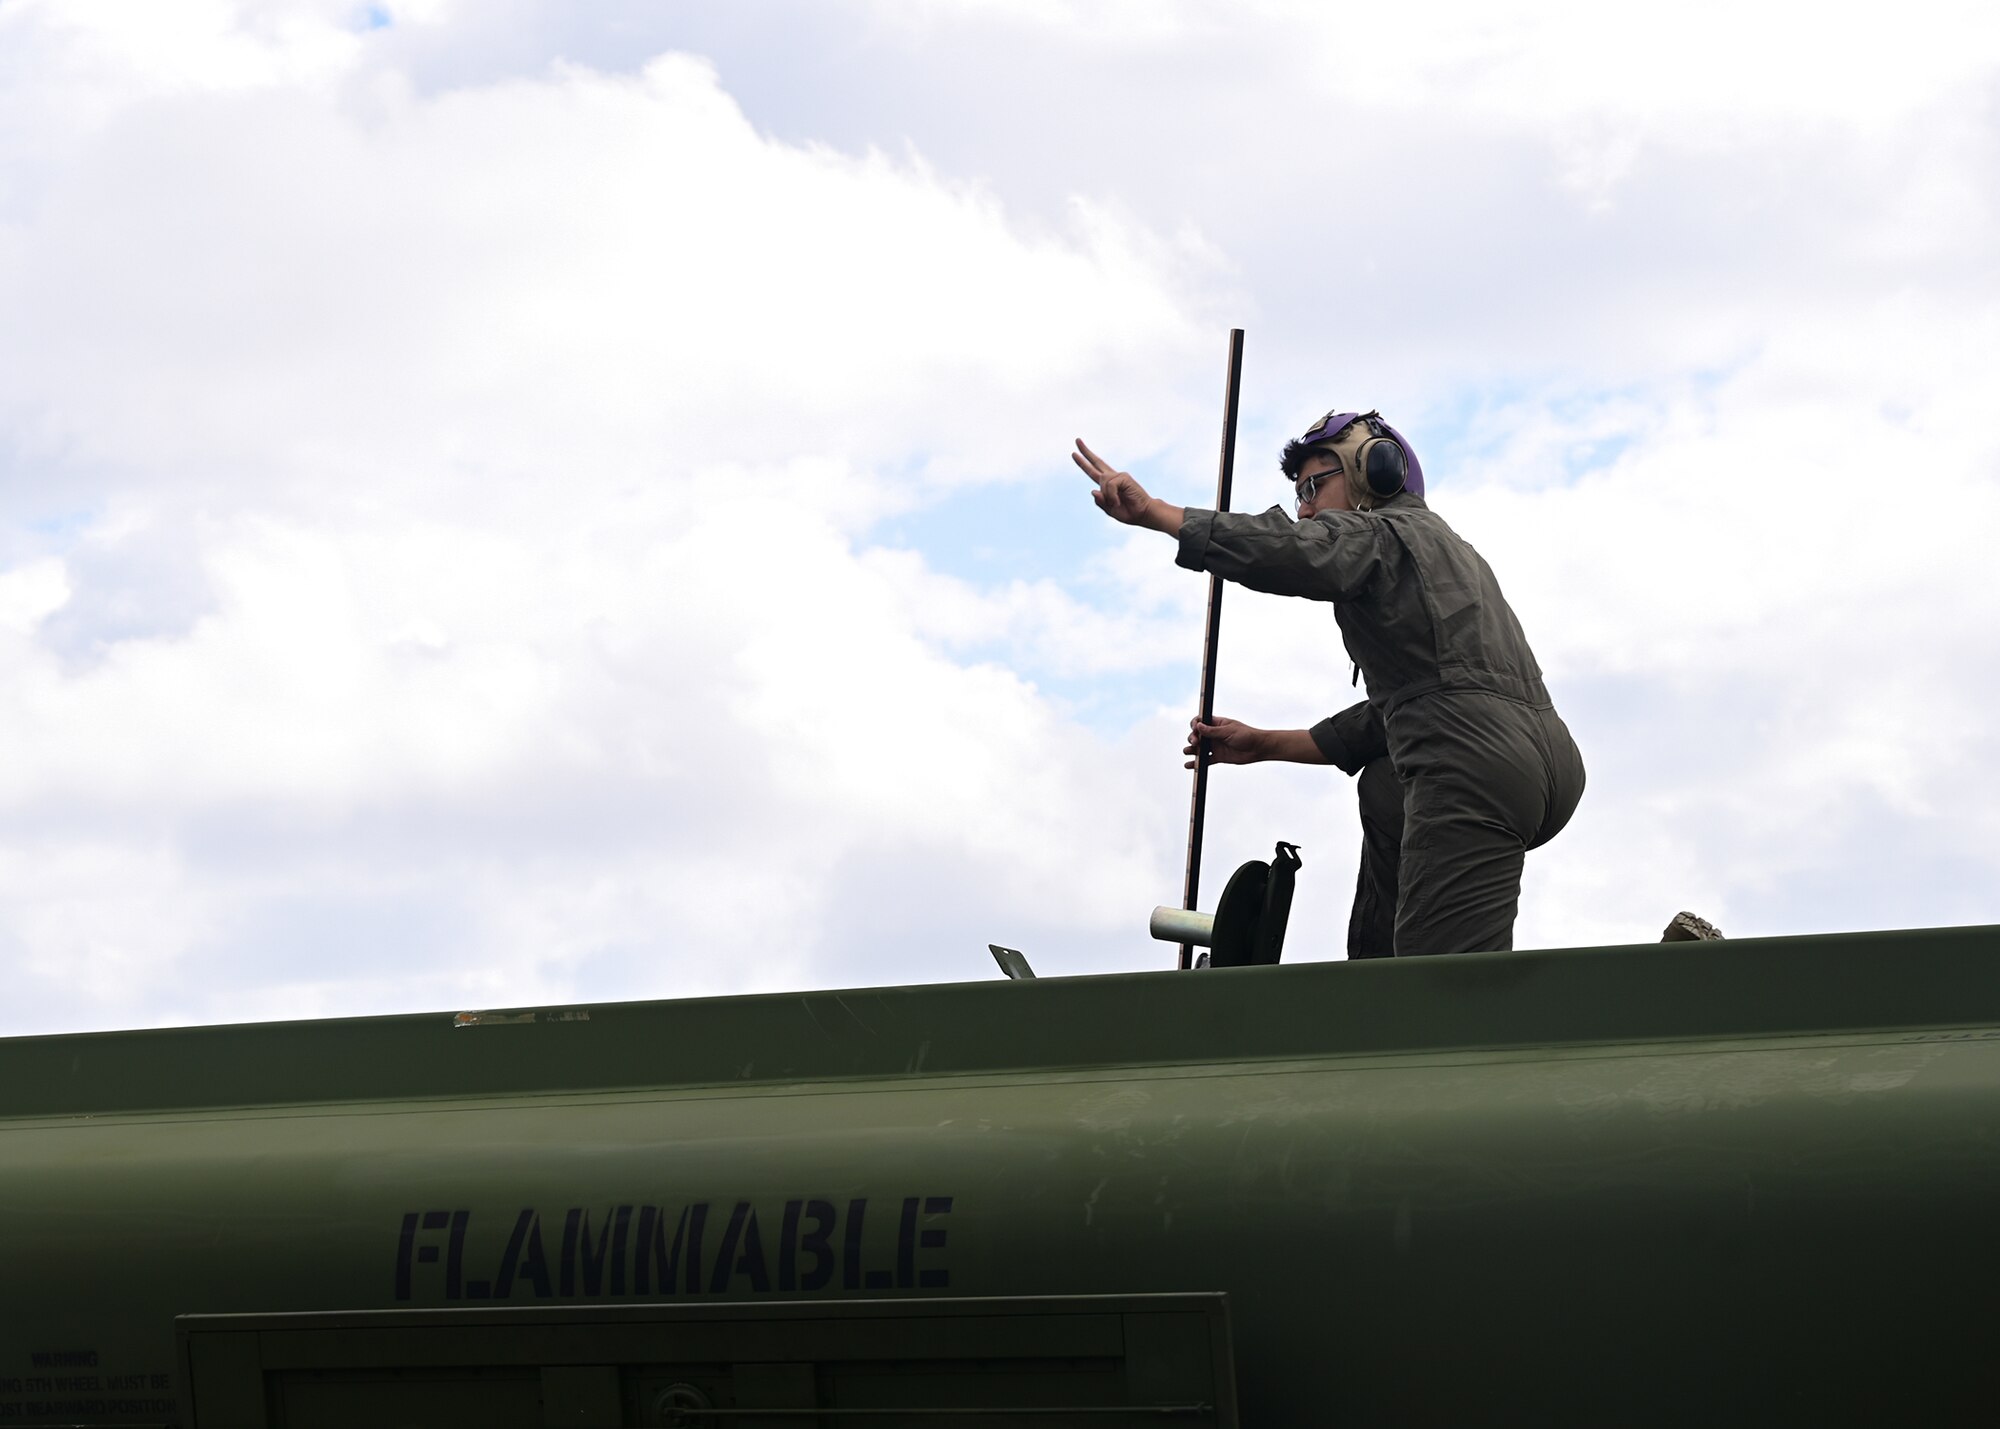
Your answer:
<point x="1464" y="763"/>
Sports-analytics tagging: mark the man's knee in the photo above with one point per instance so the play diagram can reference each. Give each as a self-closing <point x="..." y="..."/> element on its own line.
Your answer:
<point x="1461" y="888"/>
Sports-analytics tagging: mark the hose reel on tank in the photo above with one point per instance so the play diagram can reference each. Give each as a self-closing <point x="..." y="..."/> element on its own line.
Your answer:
<point x="1247" y="928"/>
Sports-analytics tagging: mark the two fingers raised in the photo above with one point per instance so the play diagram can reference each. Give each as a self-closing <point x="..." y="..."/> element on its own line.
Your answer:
<point x="1092" y="465"/>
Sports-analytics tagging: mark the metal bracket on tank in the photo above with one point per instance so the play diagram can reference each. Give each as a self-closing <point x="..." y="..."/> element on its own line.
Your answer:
<point x="1011" y="962"/>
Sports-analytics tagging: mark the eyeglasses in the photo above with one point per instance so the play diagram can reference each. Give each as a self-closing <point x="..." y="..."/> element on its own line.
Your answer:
<point x="1307" y="487"/>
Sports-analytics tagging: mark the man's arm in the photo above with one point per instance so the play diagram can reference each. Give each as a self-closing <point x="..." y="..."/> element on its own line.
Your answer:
<point x="1230" y="741"/>
<point x="1330" y="557"/>
<point x="1351" y="738"/>
<point x="1327" y="558"/>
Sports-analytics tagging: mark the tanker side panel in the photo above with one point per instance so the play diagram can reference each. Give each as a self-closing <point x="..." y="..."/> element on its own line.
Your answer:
<point x="1747" y="1230"/>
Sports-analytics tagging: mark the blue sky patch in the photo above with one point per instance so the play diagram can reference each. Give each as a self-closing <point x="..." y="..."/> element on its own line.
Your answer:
<point x="1005" y="531"/>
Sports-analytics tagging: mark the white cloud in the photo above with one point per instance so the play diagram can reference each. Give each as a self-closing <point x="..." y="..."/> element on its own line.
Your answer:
<point x="30" y="594"/>
<point x="438" y="519"/>
<point x="598" y="271"/>
<point x="491" y="463"/>
<point x="1552" y="61"/>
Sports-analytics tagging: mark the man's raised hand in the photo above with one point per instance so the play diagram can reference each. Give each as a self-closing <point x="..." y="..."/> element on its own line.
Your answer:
<point x="1117" y="494"/>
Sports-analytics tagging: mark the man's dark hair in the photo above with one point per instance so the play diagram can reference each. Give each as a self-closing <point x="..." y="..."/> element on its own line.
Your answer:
<point x="1295" y="453"/>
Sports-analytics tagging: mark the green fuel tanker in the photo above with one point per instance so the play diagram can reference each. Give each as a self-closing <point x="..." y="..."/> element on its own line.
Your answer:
<point x="1747" y="1182"/>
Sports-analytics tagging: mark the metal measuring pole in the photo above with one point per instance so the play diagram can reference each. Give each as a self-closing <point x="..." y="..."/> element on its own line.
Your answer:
<point x="1211" y="635"/>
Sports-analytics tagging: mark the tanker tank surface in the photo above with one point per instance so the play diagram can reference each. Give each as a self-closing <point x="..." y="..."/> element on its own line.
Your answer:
<point x="1745" y="1182"/>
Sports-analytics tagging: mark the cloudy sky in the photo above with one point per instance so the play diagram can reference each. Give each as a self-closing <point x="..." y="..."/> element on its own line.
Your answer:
<point x="511" y="501"/>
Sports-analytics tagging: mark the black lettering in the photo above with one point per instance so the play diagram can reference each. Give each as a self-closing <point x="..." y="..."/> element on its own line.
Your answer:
<point x="524" y="1256"/>
<point x="933" y="1239"/>
<point x="620" y="1225"/>
<point x="814" y="1243"/>
<point x="454" y="1265"/>
<point x="788" y="1248"/>
<point x="906" y="1245"/>
<point x="642" y="1281"/>
<point x="730" y="1236"/>
<point x="581" y="1251"/>
<point x="850" y="1271"/>
<point x="404" y="1244"/>
<point x="806" y="1260"/>
<point x="742" y="1229"/>
<point x="571" y="1225"/>
<point x="408" y="1252"/>
<point x="653" y="1256"/>
<point x="578" y="1248"/>
<point x="697" y="1217"/>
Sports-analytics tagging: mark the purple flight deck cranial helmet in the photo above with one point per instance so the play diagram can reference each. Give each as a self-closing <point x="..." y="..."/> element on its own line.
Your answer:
<point x="1329" y="427"/>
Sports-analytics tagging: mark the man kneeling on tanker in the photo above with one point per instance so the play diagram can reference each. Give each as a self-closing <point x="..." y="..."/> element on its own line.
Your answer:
<point x="1464" y="763"/>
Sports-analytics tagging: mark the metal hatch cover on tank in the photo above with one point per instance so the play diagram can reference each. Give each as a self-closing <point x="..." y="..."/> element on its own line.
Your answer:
<point x="1100" y="1361"/>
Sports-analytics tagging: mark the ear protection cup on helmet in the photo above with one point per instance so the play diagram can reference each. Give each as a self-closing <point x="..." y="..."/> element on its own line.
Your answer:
<point x="1385" y="466"/>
